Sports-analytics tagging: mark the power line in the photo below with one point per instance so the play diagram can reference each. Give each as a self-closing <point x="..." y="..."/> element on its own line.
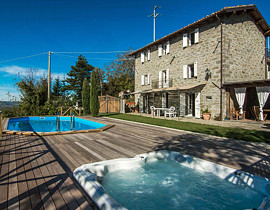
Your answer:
<point x="70" y="56"/>
<point x="29" y="56"/>
<point x="93" y="52"/>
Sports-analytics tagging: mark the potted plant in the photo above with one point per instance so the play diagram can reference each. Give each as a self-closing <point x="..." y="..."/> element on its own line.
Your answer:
<point x="206" y="114"/>
<point x="137" y="108"/>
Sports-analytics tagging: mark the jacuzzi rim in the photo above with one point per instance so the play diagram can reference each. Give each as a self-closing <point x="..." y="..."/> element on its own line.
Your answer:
<point x="113" y="204"/>
<point x="33" y="133"/>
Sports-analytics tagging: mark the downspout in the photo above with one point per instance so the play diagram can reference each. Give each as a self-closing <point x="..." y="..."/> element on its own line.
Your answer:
<point x="265" y="59"/>
<point x="221" y="87"/>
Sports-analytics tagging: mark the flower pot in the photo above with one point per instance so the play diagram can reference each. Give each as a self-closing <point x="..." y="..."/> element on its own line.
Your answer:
<point x="206" y="116"/>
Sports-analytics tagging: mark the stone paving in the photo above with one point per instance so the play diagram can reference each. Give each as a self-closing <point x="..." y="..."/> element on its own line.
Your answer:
<point x="245" y="124"/>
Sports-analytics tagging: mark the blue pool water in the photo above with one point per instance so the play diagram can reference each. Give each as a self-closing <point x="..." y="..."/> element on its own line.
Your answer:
<point x="48" y="124"/>
<point x="169" y="185"/>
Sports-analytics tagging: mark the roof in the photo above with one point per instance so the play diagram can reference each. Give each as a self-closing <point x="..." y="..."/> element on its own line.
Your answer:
<point x="252" y="9"/>
<point x="253" y="83"/>
<point x="169" y="89"/>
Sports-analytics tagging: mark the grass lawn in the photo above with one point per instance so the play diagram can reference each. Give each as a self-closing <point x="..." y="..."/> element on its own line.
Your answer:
<point x="235" y="133"/>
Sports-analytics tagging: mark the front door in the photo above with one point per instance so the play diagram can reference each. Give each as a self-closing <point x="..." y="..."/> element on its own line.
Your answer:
<point x="190" y="105"/>
<point x="164" y="100"/>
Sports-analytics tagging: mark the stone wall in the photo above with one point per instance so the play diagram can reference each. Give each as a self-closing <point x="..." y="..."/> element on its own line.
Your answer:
<point x="243" y="51"/>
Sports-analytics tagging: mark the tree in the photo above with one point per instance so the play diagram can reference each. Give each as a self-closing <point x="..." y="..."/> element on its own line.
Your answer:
<point x="57" y="88"/>
<point x="120" y="75"/>
<point x="34" y="92"/>
<point x="76" y="76"/>
<point x="86" y="96"/>
<point x="94" y="103"/>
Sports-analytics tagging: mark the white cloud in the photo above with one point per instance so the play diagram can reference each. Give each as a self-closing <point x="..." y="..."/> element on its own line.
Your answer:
<point x="14" y="70"/>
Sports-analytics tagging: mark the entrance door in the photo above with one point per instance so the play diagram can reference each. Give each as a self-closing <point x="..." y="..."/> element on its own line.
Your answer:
<point x="190" y="104"/>
<point x="165" y="100"/>
<point x="145" y="104"/>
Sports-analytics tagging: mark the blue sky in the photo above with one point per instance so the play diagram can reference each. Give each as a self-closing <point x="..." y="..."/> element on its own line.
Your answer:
<point x="30" y="27"/>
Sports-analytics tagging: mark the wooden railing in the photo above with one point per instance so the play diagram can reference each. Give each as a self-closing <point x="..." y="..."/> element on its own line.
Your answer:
<point x="69" y="111"/>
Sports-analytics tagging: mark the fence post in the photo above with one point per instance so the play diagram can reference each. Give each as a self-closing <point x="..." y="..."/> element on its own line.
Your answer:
<point x="107" y="105"/>
<point x="80" y="111"/>
<point x="61" y="111"/>
<point x="70" y="111"/>
<point x="1" y="124"/>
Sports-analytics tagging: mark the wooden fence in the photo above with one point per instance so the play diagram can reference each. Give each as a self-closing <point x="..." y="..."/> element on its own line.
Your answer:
<point x="109" y="104"/>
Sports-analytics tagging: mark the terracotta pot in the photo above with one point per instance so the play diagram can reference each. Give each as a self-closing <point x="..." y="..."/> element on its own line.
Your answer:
<point x="136" y="111"/>
<point x="206" y="116"/>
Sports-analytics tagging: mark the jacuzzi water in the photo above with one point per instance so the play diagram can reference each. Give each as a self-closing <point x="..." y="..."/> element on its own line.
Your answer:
<point x="166" y="184"/>
<point x="49" y="124"/>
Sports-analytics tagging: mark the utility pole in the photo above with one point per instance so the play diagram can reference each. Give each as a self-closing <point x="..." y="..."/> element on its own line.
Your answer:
<point x="154" y="15"/>
<point x="49" y="76"/>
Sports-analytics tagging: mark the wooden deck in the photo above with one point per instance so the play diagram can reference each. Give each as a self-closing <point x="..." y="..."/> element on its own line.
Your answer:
<point x="35" y="171"/>
<point x="31" y="177"/>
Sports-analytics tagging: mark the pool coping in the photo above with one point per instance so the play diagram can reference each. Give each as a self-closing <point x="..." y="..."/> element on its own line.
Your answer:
<point x="32" y="133"/>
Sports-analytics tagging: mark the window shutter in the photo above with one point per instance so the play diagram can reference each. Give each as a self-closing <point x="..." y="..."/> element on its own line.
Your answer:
<point x="142" y="57"/>
<point x="148" y="79"/>
<point x="195" y="69"/>
<point x="196" y="35"/>
<point x="168" y="47"/>
<point x="168" y="78"/>
<point x="160" y="79"/>
<point x="148" y="55"/>
<point x="184" y="40"/>
<point x="185" y="71"/>
<point x="142" y="80"/>
<point x="160" y="50"/>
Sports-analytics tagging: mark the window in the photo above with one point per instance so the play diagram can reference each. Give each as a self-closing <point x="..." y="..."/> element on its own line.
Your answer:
<point x="190" y="71"/>
<point x="191" y="38"/>
<point x="164" y="79"/>
<point x="145" y="79"/>
<point x="148" y="55"/>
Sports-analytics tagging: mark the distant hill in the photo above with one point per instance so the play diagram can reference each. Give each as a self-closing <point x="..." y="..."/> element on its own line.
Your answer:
<point x="7" y="104"/>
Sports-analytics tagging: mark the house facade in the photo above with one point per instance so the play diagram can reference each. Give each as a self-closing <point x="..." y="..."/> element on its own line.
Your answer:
<point x="189" y="68"/>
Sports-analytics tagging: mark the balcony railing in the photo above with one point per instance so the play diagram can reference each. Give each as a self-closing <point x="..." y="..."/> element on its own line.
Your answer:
<point x="162" y="84"/>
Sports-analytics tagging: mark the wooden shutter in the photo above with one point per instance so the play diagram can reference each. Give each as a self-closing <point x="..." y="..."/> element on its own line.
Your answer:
<point x="142" y="57"/>
<point x="184" y="71"/>
<point x="168" y="78"/>
<point x="198" y="105"/>
<point x="185" y="40"/>
<point x="195" y="69"/>
<point x="142" y="79"/>
<point x="160" y="80"/>
<point x="148" y="79"/>
<point x="148" y="55"/>
<point x="168" y="47"/>
<point x="160" y="50"/>
<point x="196" y="35"/>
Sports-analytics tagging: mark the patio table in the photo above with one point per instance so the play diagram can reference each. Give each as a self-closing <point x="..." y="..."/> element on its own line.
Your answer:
<point x="160" y="109"/>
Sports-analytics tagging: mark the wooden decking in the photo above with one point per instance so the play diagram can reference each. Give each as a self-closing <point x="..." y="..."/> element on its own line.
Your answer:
<point x="32" y="178"/>
<point x="35" y="171"/>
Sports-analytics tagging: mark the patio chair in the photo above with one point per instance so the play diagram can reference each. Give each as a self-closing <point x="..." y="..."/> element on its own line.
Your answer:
<point x="153" y="113"/>
<point x="170" y="112"/>
<point x="256" y="110"/>
<point x="234" y="114"/>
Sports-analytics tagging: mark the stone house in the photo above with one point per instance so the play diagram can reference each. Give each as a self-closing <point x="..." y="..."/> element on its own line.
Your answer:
<point x="199" y="66"/>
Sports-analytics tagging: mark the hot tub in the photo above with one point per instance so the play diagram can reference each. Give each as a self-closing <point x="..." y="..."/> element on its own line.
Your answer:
<point x="170" y="180"/>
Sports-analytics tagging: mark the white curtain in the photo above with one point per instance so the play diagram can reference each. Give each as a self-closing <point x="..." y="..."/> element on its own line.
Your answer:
<point x="240" y="94"/>
<point x="263" y="93"/>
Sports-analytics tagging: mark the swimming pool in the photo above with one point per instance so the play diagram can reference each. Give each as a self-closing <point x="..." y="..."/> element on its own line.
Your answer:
<point x="51" y="124"/>
<point x="170" y="180"/>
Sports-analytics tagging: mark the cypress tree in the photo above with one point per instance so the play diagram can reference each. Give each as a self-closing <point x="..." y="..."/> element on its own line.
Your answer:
<point x="86" y="96"/>
<point x="94" y="103"/>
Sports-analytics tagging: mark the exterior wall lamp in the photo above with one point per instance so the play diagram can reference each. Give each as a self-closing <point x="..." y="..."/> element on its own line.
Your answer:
<point x="207" y="74"/>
